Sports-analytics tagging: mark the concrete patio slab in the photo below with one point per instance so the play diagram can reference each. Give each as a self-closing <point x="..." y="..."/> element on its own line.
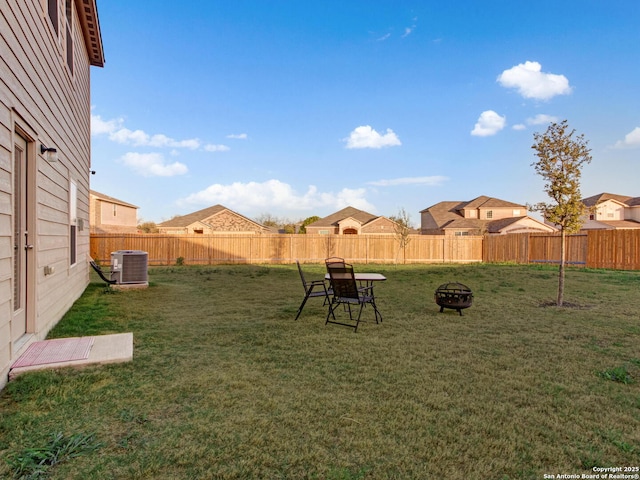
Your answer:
<point x="113" y="348"/>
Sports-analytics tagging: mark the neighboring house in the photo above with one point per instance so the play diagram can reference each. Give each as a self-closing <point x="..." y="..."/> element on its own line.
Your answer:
<point x="212" y="220"/>
<point x="110" y="215"/>
<point x="477" y="217"/>
<point x="46" y="50"/>
<point x="351" y="221"/>
<point x="608" y="211"/>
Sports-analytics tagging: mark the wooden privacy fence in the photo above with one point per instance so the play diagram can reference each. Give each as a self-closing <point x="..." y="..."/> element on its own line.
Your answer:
<point x="216" y="249"/>
<point x="534" y="248"/>
<point x="614" y="249"/>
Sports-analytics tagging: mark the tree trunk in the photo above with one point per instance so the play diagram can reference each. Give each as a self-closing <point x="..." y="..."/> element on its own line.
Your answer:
<point x="563" y="240"/>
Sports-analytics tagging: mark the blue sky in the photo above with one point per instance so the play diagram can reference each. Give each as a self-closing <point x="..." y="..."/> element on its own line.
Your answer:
<point x="300" y="108"/>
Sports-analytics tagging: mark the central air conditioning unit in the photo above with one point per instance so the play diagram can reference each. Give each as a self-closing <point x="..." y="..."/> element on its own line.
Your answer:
<point x="129" y="266"/>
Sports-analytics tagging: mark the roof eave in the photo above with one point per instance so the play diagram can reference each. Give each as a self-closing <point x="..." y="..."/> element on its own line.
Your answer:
<point x="88" y="14"/>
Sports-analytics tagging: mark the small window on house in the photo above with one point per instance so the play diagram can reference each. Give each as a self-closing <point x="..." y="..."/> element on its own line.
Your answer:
<point x="53" y="13"/>
<point x="460" y="234"/>
<point x="592" y="217"/>
<point x="609" y="215"/>
<point x="198" y="230"/>
<point x="516" y="213"/>
<point x="73" y="222"/>
<point x="69" y="31"/>
<point x="115" y="210"/>
<point x="323" y="232"/>
<point x="489" y="213"/>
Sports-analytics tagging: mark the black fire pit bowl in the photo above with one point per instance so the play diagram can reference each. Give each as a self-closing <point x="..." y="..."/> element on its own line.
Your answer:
<point x="453" y="295"/>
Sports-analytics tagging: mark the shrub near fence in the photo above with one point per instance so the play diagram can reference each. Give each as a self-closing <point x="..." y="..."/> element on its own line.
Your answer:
<point x="217" y="249"/>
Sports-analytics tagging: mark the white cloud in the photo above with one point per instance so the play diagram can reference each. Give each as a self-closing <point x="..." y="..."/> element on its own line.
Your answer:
<point x="409" y="30"/>
<point x="384" y="37"/>
<point x="432" y="181"/>
<point x="542" y="119"/>
<point x="216" y="148"/>
<point x="117" y="133"/>
<point x="531" y="82"/>
<point x="367" y="137"/>
<point x="489" y="123"/>
<point x="276" y="194"/>
<point x="238" y="136"/>
<point x="152" y="165"/>
<point x="631" y="139"/>
<point x="101" y="127"/>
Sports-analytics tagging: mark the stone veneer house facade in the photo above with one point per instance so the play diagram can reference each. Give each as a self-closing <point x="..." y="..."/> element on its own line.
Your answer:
<point x="477" y="217"/>
<point x="110" y="215"/>
<point x="609" y="211"/>
<point x="212" y="220"/>
<point x="47" y="48"/>
<point x="351" y="221"/>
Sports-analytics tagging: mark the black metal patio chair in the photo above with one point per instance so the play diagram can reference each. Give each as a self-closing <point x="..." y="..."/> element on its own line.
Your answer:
<point x="312" y="289"/>
<point x="346" y="292"/>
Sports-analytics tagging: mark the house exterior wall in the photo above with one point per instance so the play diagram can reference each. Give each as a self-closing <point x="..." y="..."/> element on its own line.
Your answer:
<point x="111" y="217"/>
<point x="609" y="211"/>
<point x="349" y="224"/>
<point x="633" y="213"/>
<point x="458" y="231"/>
<point x="498" y="213"/>
<point x="227" y="221"/>
<point x="46" y="102"/>
<point x="330" y="230"/>
<point x="527" y="225"/>
<point x="380" y="226"/>
<point x="223" y="222"/>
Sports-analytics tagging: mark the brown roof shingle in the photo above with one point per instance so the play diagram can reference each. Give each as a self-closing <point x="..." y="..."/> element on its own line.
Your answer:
<point x="333" y="219"/>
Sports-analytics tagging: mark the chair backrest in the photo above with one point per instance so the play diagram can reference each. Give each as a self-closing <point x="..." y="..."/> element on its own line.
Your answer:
<point x="304" y="282"/>
<point x="343" y="280"/>
<point x="338" y="261"/>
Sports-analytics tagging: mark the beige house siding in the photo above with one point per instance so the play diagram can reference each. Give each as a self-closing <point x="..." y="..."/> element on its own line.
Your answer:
<point x="110" y="215"/>
<point x="47" y="103"/>
<point x="498" y="213"/>
<point x="609" y="211"/>
<point x="379" y="226"/>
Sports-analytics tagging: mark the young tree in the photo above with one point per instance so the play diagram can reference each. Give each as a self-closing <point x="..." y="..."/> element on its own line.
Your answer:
<point x="561" y="156"/>
<point x="402" y="230"/>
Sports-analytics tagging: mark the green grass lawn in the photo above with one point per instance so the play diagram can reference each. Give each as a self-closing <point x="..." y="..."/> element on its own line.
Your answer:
<point x="225" y="384"/>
